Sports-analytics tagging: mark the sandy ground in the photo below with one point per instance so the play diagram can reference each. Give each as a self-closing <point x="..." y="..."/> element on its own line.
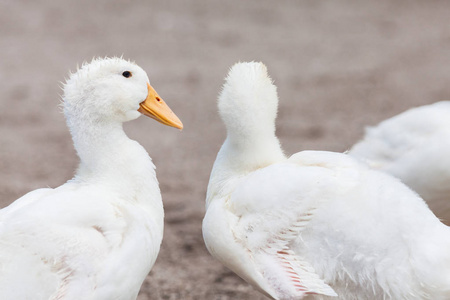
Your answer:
<point x="339" y="66"/>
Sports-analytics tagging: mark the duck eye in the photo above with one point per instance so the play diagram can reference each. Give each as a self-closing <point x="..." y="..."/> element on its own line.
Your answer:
<point x="127" y="74"/>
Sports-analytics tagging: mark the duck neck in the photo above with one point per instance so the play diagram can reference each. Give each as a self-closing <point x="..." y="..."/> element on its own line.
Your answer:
<point x="244" y="154"/>
<point x="240" y="155"/>
<point x="96" y="144"/>
<point x="109" y="157"/>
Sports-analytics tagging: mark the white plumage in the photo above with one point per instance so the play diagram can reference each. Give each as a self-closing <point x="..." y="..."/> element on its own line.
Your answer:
<point x="414" y="146"/>
<point x="317" y="225"/>
<point x="98" y="235"/>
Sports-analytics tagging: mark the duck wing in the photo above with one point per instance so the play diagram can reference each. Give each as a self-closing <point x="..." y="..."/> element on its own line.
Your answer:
<point x="274" y="205"/>
<point x="54" y="243"/>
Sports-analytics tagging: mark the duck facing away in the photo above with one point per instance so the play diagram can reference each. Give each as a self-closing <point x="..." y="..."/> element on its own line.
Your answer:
<point x="98" y="235"/>
<point x="414" y="146"/>
<point x="317" y="225"/>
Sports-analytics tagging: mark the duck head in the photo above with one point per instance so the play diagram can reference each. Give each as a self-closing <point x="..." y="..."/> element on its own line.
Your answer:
<point x="248" y="105"/>
<point x="248" y="102"/>
<point x="113" y="90"/>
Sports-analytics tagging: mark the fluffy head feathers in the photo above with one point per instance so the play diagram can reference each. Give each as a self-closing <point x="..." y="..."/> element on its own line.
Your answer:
<point x="99" y="92"/>
<point x="248" y="102"/>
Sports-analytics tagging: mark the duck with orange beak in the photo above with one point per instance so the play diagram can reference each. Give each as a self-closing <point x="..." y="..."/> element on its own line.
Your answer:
<point x="98" y="235"/>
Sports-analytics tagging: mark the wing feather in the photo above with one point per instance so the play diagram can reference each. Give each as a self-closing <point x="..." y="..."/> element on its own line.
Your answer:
<point x="275" y="204"/>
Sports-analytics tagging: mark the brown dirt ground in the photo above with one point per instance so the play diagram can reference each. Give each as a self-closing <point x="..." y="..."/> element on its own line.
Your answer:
<point x="339" y="66"/>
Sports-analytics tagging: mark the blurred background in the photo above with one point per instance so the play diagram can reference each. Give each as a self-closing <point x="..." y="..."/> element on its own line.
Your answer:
<point x="339" y="66"/>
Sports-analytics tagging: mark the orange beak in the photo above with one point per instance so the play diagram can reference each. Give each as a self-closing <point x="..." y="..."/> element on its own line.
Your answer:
<point x="155" y="108"/>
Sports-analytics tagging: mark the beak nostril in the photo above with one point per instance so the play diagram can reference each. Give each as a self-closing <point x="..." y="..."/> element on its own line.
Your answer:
<point x="158" y="99"/>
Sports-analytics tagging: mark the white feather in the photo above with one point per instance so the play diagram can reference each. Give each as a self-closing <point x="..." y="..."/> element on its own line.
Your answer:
<point x="98" y="235"/>
<point x="318" y="224"/>
<point x="414" y="146"/>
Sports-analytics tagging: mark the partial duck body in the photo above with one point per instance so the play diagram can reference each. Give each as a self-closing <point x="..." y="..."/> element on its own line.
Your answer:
<point x="98" y="235"/>
<point x="316" y="225"/>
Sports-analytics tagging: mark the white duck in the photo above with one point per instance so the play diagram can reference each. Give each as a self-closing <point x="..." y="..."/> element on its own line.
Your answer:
<point x="317" y="224"/>
<point x="414" y="146"/>
<point x="98" y="235"/>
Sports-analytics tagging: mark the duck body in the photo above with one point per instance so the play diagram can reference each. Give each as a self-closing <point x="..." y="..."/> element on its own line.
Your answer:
<point x="83" y="240"/>
<point x="413" y="146"/>
<point x="98" y="235"/>
<point x="321" y="212"/>
<point x="317" y="225"/>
